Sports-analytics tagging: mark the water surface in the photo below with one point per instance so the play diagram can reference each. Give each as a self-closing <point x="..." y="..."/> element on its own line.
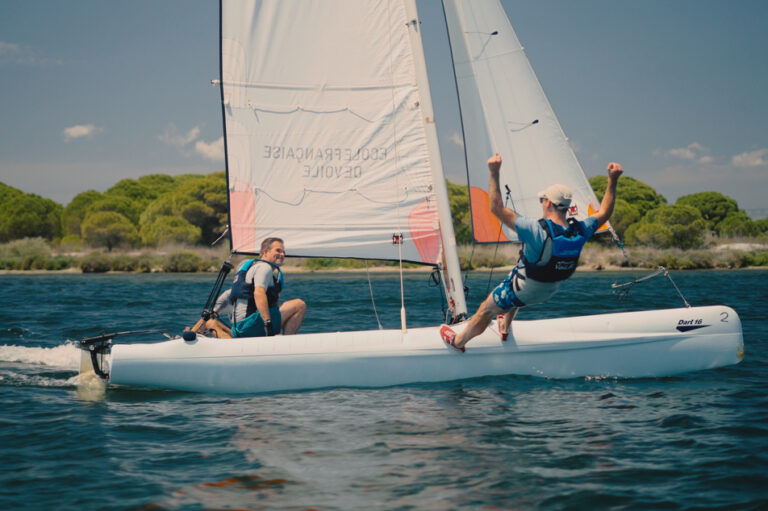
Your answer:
<point x="696" y="441"/>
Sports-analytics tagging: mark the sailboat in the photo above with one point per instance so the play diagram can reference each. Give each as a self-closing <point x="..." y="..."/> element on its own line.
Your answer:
<point x="331" y="144"/>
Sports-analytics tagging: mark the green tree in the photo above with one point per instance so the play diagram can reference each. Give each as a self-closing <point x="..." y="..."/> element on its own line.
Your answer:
<point x="167" y="204"/>
<point x="649" y="235"/>
<point x="25" y="215"/>
<point x="158" y="184"/>
<point x="684" y="222"/>
<point x="762" y="225"/>
<point x="169" y="229"/>
<point x="624" y="215"/>
<point x="108" y="229"/>
<point x="210" y="215"/>
<point x="185" y="178"/>
<point x="737" y="224"/>
<point x="73" y="214"/>
<point x="458" y="197"/>
<point x="8" y="192"/>
<point x="130" y="209"/>
<point x="713" y="206"/>
<point x="133" y="190"/>
<point x="636" y="193"/>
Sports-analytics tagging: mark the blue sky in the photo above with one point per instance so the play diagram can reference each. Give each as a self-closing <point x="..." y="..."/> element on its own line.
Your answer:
<point x="92" y="92"/>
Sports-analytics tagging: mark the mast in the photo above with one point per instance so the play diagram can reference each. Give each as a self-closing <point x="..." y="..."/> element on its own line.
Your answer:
<point x="454" y="285"/>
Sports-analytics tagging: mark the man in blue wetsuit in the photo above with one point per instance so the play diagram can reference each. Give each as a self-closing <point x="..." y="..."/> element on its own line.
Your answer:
<point x="551" y="248"/>
<point x="255" y="294"/>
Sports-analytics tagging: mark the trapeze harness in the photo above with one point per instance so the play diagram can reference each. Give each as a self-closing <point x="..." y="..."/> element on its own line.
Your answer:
<point x="243" y="289"/>
<point x="565" y="248"/>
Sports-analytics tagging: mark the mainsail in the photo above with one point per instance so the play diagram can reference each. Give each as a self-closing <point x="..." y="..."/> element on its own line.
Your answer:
<point x="504" y="110"/>
<point x="327" y="130"/>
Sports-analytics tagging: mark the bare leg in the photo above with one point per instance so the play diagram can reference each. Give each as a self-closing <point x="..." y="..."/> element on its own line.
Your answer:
<point x="292" y="312"/>
<point x="508" y="317"/>
<point x="479" y="322"/>
<point x="222" y="331"/>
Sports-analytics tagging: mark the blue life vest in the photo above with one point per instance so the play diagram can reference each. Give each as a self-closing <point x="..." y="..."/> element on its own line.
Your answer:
<point x="565" y="245"/>
<point x="243" y="289"/>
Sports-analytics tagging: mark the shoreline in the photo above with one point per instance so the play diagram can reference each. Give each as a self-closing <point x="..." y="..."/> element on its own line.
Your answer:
<point x="727" y="256"/>
<point x="374" y="269"/>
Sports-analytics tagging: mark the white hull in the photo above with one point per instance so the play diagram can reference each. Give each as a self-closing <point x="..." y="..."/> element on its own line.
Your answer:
<point x="623" y="345"/>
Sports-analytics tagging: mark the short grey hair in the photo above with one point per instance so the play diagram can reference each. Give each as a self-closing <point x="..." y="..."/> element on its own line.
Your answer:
<point x="267" y="244"/>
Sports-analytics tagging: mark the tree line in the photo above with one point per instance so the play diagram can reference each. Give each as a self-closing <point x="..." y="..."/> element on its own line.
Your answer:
<point x="642" y="216"/>
<point x="150" y="211"/>
<point x="191" y="209"/>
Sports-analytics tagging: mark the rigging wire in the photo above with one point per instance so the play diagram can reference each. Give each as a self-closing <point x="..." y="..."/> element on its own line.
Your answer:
<point x="373" y="301"/>
<point x="223" y="234"/>
<point x="397" y="237"/>
<point x="622" y="290"/>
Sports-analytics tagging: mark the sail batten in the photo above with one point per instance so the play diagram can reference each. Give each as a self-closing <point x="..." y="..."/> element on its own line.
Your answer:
<point x="318" y="86"/>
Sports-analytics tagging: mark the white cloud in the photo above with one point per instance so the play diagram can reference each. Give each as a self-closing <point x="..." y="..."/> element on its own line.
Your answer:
<point x="174" y="139"/>
<point x="457" y="139"/>
<point x="692" y="152"/>
<point x="185" y="142"/>
<point x="751" y="159"/>
<point x="80" y="131"/>
<point x="14" y="53"/>
<point x="9" y="49"/>
<point x="211" y="151"/>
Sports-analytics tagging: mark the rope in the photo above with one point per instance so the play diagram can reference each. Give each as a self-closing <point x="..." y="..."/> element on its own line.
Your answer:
<point x="619" y="243"/>
<point x="449" y="313"/>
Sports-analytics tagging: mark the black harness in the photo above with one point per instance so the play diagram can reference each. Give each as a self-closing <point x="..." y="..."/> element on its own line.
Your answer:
<point x="243" y="289"/>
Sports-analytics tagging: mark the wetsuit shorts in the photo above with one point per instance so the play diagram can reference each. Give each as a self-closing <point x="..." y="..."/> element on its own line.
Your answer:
<point x="517" y="291"/>
<point x="253" y="325"/>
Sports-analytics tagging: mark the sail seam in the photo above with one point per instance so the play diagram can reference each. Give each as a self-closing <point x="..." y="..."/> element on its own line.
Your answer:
<point x="324" y="87"/>
<point x="298" y="108"/>
<point x="307" y="191"/>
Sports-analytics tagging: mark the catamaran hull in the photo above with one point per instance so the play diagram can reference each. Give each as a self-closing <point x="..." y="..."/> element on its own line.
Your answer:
<point x="623" y="345"/>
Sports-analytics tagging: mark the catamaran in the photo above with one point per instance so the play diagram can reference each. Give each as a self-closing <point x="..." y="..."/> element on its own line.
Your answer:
<point x="331" y="144"/>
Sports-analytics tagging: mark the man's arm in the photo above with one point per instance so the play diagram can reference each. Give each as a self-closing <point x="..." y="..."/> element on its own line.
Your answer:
<point x="262" y="278"/>
<point x="262" y="306"/>
<point x="609" y="199"/>
<point x="505" y="215"/>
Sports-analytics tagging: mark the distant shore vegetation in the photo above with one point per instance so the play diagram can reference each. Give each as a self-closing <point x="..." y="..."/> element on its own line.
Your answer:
<point x="168" y="223"/>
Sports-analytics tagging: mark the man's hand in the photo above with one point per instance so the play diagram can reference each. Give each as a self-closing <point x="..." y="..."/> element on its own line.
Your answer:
<point x="614" y="170"/>
<point x="494" y="164"/>
<point x="268" y="327"/>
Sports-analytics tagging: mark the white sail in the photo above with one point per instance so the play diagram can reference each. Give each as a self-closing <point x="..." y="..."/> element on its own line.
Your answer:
<point x="504" y="110"/>
<point x="325" y="131"/>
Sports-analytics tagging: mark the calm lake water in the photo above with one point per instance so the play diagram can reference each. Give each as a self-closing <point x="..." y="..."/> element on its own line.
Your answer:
<point x="697" y="441"/>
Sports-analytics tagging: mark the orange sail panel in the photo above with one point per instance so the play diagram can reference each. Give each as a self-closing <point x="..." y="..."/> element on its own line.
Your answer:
<point x="591" y="211"/>
<point x="486" y="227"/>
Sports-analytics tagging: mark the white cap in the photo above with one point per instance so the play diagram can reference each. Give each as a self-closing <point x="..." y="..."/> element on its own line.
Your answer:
<point x="560" y="195"/>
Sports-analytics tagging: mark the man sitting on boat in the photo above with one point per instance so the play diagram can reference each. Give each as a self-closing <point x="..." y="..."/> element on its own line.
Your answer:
<point x="550" y="253"/>
<point x="256" y="292"/>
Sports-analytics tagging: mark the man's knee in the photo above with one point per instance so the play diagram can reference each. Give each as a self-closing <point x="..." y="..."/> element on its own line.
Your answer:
<point x="292" y="307"/>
